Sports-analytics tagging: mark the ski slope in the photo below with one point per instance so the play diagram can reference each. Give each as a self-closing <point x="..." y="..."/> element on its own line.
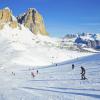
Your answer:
<point x="52" y="82"/>
<point x="22" y="47"/>
<point x="22" y="52"/>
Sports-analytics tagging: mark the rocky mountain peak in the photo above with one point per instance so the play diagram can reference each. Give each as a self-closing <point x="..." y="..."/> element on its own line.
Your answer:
<point x="7" y="8"/>
<point x="33" y="20"/>
<point x="32" y="9"/>
<point x="6" y="16"/>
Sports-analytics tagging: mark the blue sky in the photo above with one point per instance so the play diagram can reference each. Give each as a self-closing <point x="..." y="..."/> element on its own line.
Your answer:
<point x="62" y="16"/>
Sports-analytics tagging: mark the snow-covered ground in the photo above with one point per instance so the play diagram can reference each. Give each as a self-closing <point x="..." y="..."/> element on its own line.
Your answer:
<point x="22" y="53"/>
<point x="24" y="48"/>
<point x="52" y="82"/>
<point x="91" y="50"/>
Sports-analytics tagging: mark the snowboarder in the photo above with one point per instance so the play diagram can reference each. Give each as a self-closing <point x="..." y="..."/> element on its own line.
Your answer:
<point x="73" y="66"/>
<point x="83" y="73"/>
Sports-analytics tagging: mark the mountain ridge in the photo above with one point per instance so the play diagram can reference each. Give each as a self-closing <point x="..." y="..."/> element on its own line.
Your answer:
<point x="32" y="20"/>
<point x="87" y="40"/>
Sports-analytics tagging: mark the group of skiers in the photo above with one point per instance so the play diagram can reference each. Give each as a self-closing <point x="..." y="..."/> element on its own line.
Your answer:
<point x="33" y="73"/>
<point x="83" y="71"/>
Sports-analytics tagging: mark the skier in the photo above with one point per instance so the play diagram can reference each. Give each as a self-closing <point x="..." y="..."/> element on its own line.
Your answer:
<point x="13" y="73"/>
<point x="83" y="73"/>
<point x="73" y="66"/>
<point x="32" y="73"/>
<point x="37" y="71"/>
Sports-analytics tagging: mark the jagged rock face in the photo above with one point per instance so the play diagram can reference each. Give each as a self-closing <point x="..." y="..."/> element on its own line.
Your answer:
<point x="13" y="24"/>
<point x="34" y="21"/>
<point x="90" y="43"/>
<point x="93" y="44"/>
<point x="31" y="19"/>
<point x="7" y="17"/>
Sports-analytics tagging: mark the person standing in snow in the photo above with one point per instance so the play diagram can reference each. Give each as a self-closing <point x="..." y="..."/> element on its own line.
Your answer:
<point x="56" y="64"/>
<point x="37" y="71"/>
<point x="83" y="73"/>
<point x="33" y="75"/>
<point x="13" y="73"/>
<point x="73" y="66"/>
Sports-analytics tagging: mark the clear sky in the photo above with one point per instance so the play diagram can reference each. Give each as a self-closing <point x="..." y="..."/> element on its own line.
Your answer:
<point x="62" y="16"/>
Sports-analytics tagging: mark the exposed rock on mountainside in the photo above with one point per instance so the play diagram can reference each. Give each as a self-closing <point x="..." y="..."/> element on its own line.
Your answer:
<point x="7" y="17"/>
<point x="89" y="40"/>
<point x="31" y="19"/>
<point x="34" y="21"/>
<point x="84" y="40"/>
<point x="13" y="24"/>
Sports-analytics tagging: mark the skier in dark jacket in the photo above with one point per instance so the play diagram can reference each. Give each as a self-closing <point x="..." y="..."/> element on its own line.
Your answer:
<point x="73" y="66"/>
<point x="83" y="73"/>
<point x="37" y="71"/>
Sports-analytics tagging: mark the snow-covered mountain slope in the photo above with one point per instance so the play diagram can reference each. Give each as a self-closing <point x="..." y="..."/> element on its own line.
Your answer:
<point x="52" y="82"/>
<point x="85" y="40"/>
<point x="23" y="53"/>
<point x="36" y="67"/>
<point x="21" y="46"/>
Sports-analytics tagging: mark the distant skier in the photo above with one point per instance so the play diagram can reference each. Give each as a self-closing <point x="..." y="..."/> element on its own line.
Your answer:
<point x="83" y="73"/>
<point x="37" y="71"/>
<point x="56" y="65"/>
<point x="13" y="73"/>
<point x="33" y="75"/>
<point x="73" y="66"/>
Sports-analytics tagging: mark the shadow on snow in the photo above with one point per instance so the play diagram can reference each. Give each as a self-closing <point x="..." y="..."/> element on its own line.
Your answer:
<point x="56" y="91"/>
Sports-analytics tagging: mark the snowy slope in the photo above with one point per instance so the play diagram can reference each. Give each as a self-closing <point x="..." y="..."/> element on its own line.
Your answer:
<point x="25" y="48"/>
<point x="53" y="82"/>
<point x="22" y="52"/>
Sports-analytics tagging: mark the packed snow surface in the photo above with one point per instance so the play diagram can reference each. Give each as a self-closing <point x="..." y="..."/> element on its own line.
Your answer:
<point x="52" y="82"/>
<point x="24" y="48"/>
<point x="22" y="54"/>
